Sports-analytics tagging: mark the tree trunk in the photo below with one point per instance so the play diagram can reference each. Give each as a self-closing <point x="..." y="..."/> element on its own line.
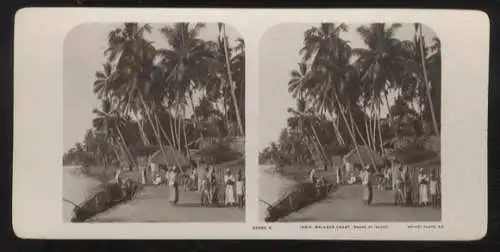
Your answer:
<point x="427" y="88"/>
<point x="389" y="116"/>
<point x="178" y="133"/>
<point x="146" y="109"/>
<point x="144" y="138"/>
<point x="380" y="131"/>
<point x="172" y="124"/>
<point x="125" y="146"/>
<point x="355" y="126"/>
<point x="160" y="126"/>
<point x="174" y="136"/>
<point x="348" y="129"/>
<point x="336" y="126"/>
<point x="319" y="143"/>
<point x="373" y="129"/>
<point x="195" y="116"/>
<point x="367" y="129"/>
<point x="335" y="123"/>
<point x="185" y="137"/>
<point x="361" y="136"/>
<point x="231" y="84"/>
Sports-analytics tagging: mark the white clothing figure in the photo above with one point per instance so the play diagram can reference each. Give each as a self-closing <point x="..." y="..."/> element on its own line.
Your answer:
<point x="229" y="182"/>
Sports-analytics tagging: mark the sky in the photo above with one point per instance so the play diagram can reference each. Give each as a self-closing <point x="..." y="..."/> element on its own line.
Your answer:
<point x="278" y="56"/>
<point x="83" y="54"/>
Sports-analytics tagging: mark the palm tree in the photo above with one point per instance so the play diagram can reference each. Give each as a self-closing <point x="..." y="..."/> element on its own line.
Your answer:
<point x="330" y="70"/>
<point x="222" y="32"/>
<point x="134" y="57"/>
<point x="109" y="123"/>
<point x="188" y="63"/>
<point x="422" y="51"/>
<point x="380" y="65"/>
<point x="306" y="115"/>
<point x="102" y="88"/>
<point x="296" y="88"/>
<point x="237" y="63"/>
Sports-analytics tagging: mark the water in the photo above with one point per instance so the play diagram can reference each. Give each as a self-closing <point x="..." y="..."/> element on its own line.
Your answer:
<point x="77" y="187"/>
<point x="272" y="186"/>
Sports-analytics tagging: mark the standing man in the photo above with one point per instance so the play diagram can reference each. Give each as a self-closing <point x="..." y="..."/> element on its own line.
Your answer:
<point x="142" y="168"/>
<point x="339" y="175"/>
<point x="313" y="176"/>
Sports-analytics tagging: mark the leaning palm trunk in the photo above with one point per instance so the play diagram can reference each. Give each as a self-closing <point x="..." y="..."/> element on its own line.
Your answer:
<point x="340" y="139"/>
<point x="171" y="123"/>
<point x="389" y="115"/>
<point x="195" y="116"/>
<point x="348" y="128"/>
<point x="426" y="82"/>
<point x="367" y="130"/>
<point x="335" y="122"/>
<point x="231" y="84"/>
<point x="146" y="109"/>
<point x="373" y="130"/>
<point x="323" y="154"/>
<point x="361" y="136"/>
<point x="125" y="147"/>
<point x="185" y="137"/>
<point x="174" y="133"/>
<point x="354" y="125"/>
<point x="144" y="138"/>
<point x="380" y="131"/>
<point x="178" y="133"/>
<point x="160" y="126"/>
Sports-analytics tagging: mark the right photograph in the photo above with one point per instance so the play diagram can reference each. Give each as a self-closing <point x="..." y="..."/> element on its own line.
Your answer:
<point x="349" y="123"/>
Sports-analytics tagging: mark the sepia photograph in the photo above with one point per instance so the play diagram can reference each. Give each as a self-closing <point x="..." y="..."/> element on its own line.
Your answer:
<point x="154" y="123"/>
<point x="135" y="121"/>
<point x="349" y="123"/>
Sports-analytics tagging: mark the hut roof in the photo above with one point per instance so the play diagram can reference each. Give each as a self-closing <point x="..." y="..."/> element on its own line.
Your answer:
<point x="433" y="162"/>
<point x="337" y="160"/>
<point x="173" y="157"/>
<point x="366" y="155"/>
<point x="232" y="164"/>
<point x="420" y="150"/>
<point x="216" y="154"/>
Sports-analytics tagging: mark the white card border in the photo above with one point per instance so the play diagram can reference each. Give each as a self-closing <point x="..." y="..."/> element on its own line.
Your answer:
<point x="39" y="37"/>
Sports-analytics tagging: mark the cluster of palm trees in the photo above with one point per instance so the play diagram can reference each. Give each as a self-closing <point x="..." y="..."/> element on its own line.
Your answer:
<point x="347" y="88"/>
<point x="157" y="97"/>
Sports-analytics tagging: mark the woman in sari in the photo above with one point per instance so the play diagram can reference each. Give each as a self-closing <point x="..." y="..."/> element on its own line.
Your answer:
<point x="423" y="188"/>
<point x="367" y="186"/>
<point x="174" y="186"/>
<point x="229" y="182"/>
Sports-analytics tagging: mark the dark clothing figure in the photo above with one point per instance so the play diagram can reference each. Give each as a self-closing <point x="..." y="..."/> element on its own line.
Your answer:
<point x="214" y="192"/>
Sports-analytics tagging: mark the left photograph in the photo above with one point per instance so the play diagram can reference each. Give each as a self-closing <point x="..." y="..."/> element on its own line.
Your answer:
<point x="154" y="123"/>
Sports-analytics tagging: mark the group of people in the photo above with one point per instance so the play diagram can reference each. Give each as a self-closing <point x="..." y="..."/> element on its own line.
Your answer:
<point x="207" y="184"/>
<point x="319" y="183"/>
<point x="428" y="188"/>
<point x="234" y="190"/>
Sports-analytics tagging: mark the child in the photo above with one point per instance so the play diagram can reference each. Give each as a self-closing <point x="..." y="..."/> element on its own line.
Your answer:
<point x="240" y="189"/>
<point x="433" y="188"/>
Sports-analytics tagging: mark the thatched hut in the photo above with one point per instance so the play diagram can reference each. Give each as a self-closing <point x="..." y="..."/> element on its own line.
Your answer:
<point x="422" y="153"/>
<point x="367" y="156"/>
<point x="221" y="156"/>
